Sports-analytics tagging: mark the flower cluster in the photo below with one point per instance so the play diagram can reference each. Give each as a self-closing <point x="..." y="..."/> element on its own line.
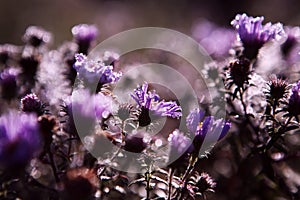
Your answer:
<point x="65" y="133"/>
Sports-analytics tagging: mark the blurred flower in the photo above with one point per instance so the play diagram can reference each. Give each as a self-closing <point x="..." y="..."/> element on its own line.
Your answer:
<point x="179" y="147"/>
<point x="36" y="36"/>
<point x="135" y="142"/>
<point x="8" y="82"/>
<point x="253" y="34"/>
<point x="84" y="109"/>
<point x="238" y="73"/>
<point x="8" y="51"/>
<point x="199" y="184"/>
<point x="150" y="101"/>
<point x="84" y="34"/>
<point x="20" y="138"/>
<point x="293" y="106"/>
<point x="80" y="183"/>
<point x="193" y="119"/>
<point x="110" y="58"/>
<point x="217" y="41"/>
<point x="47" y="125"/>
<point x="31" y="103"/>
<point x="95" y="72"/>
<point x="290" y="46"/>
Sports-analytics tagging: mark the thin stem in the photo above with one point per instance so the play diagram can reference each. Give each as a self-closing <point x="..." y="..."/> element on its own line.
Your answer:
<point x="170" y="177"/>
<point x="52" y="163"/>
<point x="148" y="187"/>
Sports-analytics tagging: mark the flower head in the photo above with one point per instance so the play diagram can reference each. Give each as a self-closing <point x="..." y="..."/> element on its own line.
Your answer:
<point x="135" y="142"/>
<point x="19" y="138"/>
<point x="36" y="36"/>
<point x="238" y="73"/>
<point x="95" y="72"/>
<point x="201" y="127"/>
<point x="85" y="109"/>
<point x="179" y="147"/>
<point x="253" y="34"/>
<point x="84" y="34"/>
<point x="150" y="101"/>
<point x="199" y="184"/>
<point x="277" y="89"/>
<point x="31" y="103"/>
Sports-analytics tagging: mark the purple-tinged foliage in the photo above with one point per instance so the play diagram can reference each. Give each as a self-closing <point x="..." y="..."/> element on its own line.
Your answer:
<point x="253" y="34"/>
<point x="19" y="139"/>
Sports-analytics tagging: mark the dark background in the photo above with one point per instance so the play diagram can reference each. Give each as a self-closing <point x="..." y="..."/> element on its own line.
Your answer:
<point x="113" y="16"/>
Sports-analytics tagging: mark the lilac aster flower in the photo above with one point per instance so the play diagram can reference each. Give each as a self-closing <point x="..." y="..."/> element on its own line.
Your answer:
<point x="36" y="36"/>
<point x="8" y="82"/>
<point x="84" y="34"/>
<point x="92" y="71"/>
<point x="150" y="101"/>
<point x="20" y="138"/>
<point x="201" y="127"/>
<point x="179" y="147"/>
<point x="293" y="106"/>
<point x="253" y="34"/>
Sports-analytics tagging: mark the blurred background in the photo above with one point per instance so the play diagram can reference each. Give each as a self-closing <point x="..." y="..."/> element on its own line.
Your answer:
<point x="113" y="16"/>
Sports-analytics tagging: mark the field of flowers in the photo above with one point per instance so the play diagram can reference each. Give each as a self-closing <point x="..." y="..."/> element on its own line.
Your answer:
<point x="65" y="133"/>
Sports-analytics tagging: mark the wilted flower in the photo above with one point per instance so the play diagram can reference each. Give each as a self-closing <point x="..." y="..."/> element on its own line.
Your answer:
<point x="20" y="139"/>
<point x="31" y="103"/>
<point x="277" y="89"/>
<point x="36" y="36"/>
<point x="179" y="147"/>
<point x="253" y="34"/>
<point x="84" y="34"/>
<point x="149" y="101"/>
<point x="8" y="82"/>
<point x="199" y="184"/>
<point x="95" y="72"/>
<point x="238" y="73"/>
<point x="126" y="111"/>
<point x="293" y="106"/>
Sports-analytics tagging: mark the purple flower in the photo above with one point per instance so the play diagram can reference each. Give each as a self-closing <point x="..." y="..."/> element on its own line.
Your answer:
<point x="293" y="106"/>
<point x="150" y="101"/>
<point x="92" y="71"/>
<point x="201" y="127"/>
<point x="179" y="147"/>
<point x="19" y="138"/>
<point x="84" y="34"/>
<point x="253" y="34"/>
<point x="8" y="82"/>
<point x="36" y="36"/>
